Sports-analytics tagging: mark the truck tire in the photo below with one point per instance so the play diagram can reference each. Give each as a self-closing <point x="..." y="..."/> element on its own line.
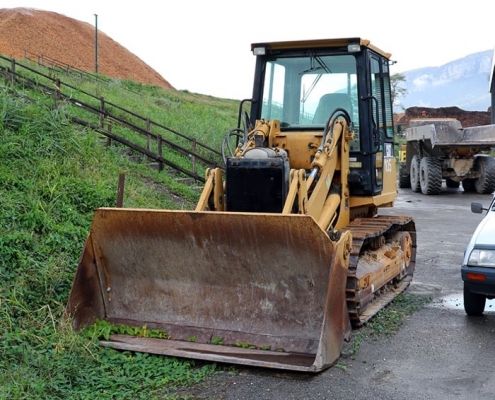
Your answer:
<point x="474" y="303"/>
<point x="414" y="174"/>
<point x="451" y="184"/>
<point x="430" y="175"/>
<point x="468" y="185"/>
<point x="485" y="184"/>
<point x="404" y="180"/>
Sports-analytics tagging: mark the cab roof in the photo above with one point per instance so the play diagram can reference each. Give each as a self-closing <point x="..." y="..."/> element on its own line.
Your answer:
<point x="319" y="43"/>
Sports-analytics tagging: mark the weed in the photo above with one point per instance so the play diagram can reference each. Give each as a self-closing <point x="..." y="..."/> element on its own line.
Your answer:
<point x="217" y="340"/>
<point x="387" y="321"/>
<point x="103" y="329"/>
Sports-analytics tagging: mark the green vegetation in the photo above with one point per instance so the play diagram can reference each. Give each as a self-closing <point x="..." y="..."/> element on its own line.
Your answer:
<point x="388" y="320"/>
<point x="53" y="176"/>
<point x="103" y="329"/>
<point x="396" y="80"/>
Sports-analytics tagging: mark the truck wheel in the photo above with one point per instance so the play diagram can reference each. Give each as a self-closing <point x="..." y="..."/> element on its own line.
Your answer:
<point x="485" y="184"/>
<point x="404" y="180"/>
<point x="430" y="175"/>
<point x="474" y="303"/>
<point x="414" y="174"/>
<point x="452" y="184"/>
<point x="468" y="185"/>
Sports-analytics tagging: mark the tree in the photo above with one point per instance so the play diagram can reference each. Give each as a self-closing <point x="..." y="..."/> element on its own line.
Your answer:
<point x="397" y="90"/>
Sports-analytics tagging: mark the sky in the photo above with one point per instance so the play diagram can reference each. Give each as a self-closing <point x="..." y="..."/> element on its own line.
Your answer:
<point x="204" y="46"/>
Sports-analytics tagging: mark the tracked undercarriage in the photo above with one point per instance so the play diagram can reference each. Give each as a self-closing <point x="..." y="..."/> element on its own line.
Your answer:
<point x="381" y="264"/>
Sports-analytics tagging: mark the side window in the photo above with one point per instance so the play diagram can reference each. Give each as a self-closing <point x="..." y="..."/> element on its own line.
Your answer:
<point x="380" y="87"/>
<point x="273" y="92"/>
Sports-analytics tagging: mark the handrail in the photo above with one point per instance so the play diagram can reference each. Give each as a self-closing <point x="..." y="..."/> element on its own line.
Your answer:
<point x="100" y="99"/>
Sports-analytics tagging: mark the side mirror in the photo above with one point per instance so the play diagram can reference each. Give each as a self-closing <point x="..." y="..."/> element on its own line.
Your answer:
<point x="477" y="208"/>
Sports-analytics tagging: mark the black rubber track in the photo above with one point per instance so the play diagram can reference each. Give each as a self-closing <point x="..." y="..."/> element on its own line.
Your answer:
<point x="364" y="231"/>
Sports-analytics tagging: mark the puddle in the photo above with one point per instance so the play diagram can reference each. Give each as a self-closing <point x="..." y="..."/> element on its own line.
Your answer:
<point x="455" y="302"/>
<point x="452" y="301"/>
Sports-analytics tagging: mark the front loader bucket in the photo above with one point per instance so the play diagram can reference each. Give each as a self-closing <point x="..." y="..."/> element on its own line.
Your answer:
<point x="255" y="289"/>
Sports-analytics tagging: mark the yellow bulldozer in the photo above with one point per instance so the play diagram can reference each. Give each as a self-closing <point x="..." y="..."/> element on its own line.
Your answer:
<point x="286" y="251"/>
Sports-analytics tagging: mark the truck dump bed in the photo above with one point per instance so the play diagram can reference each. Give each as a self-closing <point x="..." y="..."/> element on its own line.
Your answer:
<point x="447" y="134"/>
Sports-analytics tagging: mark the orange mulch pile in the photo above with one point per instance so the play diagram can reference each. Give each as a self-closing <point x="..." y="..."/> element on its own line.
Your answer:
<point x="31" y="32"/>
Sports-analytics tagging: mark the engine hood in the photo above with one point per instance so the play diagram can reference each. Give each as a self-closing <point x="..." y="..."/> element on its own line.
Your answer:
<point x="484" y="235"/>
<point x="485" y="232"/>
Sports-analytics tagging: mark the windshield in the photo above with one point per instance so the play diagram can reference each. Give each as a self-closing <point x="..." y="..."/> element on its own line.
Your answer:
<point x="303" y="91"/>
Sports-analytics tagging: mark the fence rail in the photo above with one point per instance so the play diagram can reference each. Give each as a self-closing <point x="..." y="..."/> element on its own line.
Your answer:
<point x="158" y="137"/>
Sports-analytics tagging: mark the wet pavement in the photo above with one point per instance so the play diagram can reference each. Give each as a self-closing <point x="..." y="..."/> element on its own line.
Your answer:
<point x="438" y="353"/>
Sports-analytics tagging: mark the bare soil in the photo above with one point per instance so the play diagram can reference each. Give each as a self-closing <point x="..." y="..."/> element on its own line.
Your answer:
<point x="31" y="33"/>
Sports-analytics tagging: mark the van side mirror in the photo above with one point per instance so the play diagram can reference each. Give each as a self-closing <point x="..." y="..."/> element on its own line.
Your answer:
<point x="477" y="208"/>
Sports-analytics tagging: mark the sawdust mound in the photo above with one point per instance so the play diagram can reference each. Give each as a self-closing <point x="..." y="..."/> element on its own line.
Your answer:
<point x="32" y="32"/>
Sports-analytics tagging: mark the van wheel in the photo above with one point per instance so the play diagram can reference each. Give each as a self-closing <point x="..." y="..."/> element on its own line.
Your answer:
<point x="474" y="303"/>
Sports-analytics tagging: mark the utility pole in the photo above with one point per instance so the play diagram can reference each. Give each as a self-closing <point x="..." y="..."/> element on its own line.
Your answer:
<point x="96" y="44"/>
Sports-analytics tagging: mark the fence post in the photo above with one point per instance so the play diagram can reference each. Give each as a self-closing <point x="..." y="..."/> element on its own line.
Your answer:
<point x="109" y="129"/>
<point x="12" y="69"/>
<point x="120" y="191"/>
<point x="57" y="92"/>
<point x="148" y="136"/>
<point x="102" y="111"/>
<point x="193" y="158"/>
<point x="160" y="151"/>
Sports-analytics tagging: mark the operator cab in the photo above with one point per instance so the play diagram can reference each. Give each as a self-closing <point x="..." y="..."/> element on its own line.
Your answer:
<point x="302" y="83"/>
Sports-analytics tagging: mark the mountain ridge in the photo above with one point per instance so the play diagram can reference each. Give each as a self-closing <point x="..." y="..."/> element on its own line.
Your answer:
<point x="462" y="83"/>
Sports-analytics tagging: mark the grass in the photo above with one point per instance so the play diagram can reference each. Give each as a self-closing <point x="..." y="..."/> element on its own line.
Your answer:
<point x="53" y="175"/>
<point x="203" y="117"/>
<point x="387" y="321"/>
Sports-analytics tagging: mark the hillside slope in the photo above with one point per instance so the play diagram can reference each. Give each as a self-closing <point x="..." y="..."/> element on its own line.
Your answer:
<point x="53" y="175"/>
<point x="71" y="42"/>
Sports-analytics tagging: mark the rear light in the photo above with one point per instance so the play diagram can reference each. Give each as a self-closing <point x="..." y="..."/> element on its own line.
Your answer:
<point x="473" y="276"/>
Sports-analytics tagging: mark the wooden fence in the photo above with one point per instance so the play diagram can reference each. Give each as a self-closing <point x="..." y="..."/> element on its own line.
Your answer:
<point x="103" y="117"/>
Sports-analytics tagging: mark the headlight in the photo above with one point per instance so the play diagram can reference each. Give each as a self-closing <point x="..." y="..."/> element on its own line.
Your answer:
<point x="482" y="258"/>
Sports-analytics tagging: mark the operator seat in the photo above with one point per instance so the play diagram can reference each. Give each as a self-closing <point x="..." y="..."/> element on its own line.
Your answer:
<point x="328" y="103"/>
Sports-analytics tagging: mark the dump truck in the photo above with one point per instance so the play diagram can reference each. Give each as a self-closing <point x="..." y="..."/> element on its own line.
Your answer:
<point x="286" y="251"/>
<point x="440" y="149"/>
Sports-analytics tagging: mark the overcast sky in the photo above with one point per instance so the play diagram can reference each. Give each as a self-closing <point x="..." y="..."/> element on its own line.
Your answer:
<point x="204" y="45"/>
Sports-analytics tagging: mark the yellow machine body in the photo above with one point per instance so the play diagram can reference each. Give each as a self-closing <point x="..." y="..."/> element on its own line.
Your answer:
<point x="285" y="251"/>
